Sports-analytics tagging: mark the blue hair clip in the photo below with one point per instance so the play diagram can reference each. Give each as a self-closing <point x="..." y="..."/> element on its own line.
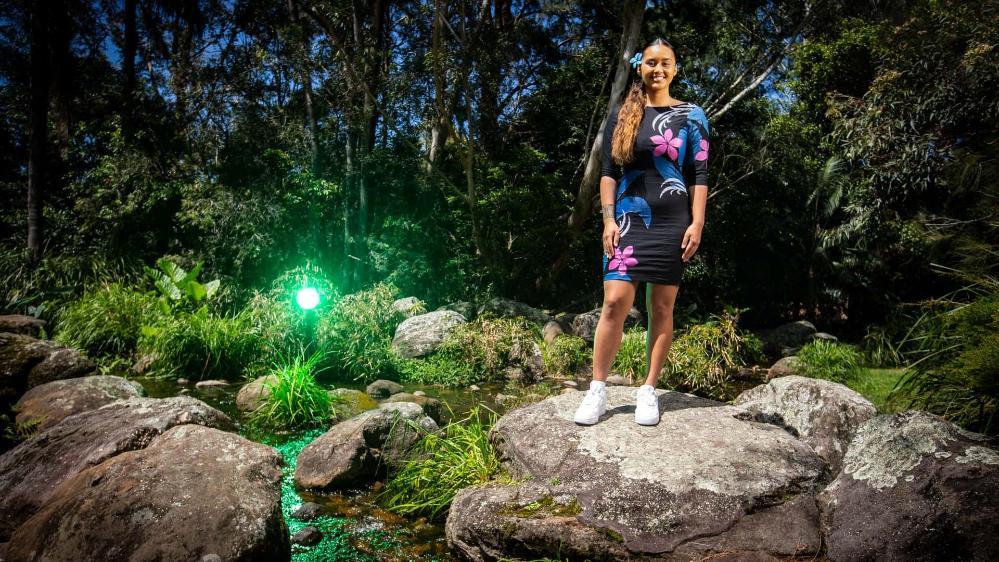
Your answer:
<point x="636" y="60"/>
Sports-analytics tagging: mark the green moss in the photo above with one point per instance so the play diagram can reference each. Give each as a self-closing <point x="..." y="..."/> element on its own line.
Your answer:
<point x="611" y="534"/>
<point x="545" y="506"/>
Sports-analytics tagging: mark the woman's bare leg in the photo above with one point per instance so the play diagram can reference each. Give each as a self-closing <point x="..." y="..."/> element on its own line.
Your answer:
<point x="660" y="309"/>
<point x="618" y="298"/>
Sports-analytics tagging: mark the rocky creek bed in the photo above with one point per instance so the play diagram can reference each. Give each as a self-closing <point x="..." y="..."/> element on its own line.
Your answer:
<point x="794" y="468"/>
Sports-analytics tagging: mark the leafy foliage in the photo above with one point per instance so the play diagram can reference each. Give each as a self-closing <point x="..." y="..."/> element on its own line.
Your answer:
<point x="631" y="360"/>
<point x="179" y="287"/>
<point x="565" y="354"/>
<point x="295" y="401"/>
<point x="833" y="361"/>
<point x="44" y="289"/>
<point x="955" y="368"/>
<point x="358" y="333"/>
<point x="201" y="345"/>
<point x="475" y="352"/>
<point x="107" y="320"/>
<point x="705" y="356"/>
<point x="441" y="464"/>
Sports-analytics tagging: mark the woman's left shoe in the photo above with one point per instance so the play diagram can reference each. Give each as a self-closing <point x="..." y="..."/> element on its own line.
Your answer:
<point x="646" y="405"/>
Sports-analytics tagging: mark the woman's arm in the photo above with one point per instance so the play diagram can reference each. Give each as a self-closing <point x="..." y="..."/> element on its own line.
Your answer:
<point x="610" y="174"/>
<point x="697" y="150"/>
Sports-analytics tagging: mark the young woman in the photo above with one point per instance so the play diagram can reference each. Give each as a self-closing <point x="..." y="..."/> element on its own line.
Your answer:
<point x="652" y="221"/>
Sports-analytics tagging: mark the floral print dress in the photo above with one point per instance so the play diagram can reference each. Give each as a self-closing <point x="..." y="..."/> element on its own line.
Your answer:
<point x="652" y="202"/>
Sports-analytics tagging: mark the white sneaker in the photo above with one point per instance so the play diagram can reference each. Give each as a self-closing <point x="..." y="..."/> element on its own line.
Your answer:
<point x="593" y="406"/>
<point x="646" y="405"/>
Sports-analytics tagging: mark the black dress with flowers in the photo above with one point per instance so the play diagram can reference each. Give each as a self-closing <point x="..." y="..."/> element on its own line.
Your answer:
<point x="652" y="203"/>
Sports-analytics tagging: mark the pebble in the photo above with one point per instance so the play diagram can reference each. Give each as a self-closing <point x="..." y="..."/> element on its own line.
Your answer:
<point x="308" y="536"/>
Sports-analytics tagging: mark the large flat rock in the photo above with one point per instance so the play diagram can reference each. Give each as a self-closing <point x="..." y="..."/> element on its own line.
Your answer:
<point x="706" y="479"/>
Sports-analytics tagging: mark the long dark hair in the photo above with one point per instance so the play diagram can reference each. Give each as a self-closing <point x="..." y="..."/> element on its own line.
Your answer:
<point x="629" y="119"/>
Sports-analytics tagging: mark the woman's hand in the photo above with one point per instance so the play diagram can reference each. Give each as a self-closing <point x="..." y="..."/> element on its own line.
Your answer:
<point x="691" y="240"/>
<point x="612" y="235"/>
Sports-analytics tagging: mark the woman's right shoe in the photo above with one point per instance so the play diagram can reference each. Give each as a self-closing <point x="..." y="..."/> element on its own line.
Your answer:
<point x="593" y="406"/>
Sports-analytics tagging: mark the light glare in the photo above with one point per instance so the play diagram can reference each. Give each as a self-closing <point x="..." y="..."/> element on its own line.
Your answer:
<point x="307" y="298"/>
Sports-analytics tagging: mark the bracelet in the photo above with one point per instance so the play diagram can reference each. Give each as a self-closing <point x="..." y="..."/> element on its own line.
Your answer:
<point x="608" y="212"/>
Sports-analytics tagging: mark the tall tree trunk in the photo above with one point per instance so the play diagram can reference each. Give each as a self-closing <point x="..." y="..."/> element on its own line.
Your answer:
<point x="497" y="23"/>
<point x="633" y="15"/>
<point x="39" y="126"/>
<point x="60" y="37"/>
<point x="127" y="107"/>
<point x="440" y="129"/>
<point x="471" y="195"/>
<point x="350" y="173"/>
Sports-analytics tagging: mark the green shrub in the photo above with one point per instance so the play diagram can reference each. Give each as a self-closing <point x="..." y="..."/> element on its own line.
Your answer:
<point x="477" y="351"/>
<point x="178" y="287"/>
<point x="882" y="347"/>
<point x="107" y="320"/>
<point x="440" y="465"/>
<point x="631" y="360"/>
<point x="704" y="356"/>
<point x="201" y="345"/>
<point x="44" y="289"/>
<point x="833" y="361"/>
<point x="955" y="367"/>
<point x="564" y="355"/>
<point x="358" y="331"/>
<point x="295" y="401"/>
<point x="283" y="327"/>
<point x="491" y="344"/>
<point x="444" y="367"/>
<point x="286" y="286"/>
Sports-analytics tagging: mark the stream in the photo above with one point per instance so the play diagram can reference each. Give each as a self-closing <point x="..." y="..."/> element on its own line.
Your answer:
<point x="354" y="527"/>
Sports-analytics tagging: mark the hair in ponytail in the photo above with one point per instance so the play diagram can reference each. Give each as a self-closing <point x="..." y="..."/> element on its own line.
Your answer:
<point x="629" y="119"/>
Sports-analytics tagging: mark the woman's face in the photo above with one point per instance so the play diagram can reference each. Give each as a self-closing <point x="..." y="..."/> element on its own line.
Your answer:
<point x="658" y="67"/>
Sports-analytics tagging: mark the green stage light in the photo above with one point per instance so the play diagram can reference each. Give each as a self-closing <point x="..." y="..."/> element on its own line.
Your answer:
<point x="307" y="298"/>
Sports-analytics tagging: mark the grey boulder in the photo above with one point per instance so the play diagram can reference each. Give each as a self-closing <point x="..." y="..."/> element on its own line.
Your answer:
<point x="362" y="447"/>
<point x="914" y="487"/>
<point x="26" y="362"/>
<point x="420" y="335"/>
<point x="48" y="404"/>
<point x="507" y="308"/>
<point x="821" y="413"/>
<point x="585" y="325"/>
<point x="21" y="324"/>
<point x="194" y="493"/>
<point x="32" y="470"/>
<point x="254" y="393"/>
<point x="787" y="338"/>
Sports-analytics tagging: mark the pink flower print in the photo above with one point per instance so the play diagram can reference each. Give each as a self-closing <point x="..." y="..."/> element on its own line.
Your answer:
<point x="622" y="260"/>
<point x="667" y="143"/>
<point x="703" y="153"/>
